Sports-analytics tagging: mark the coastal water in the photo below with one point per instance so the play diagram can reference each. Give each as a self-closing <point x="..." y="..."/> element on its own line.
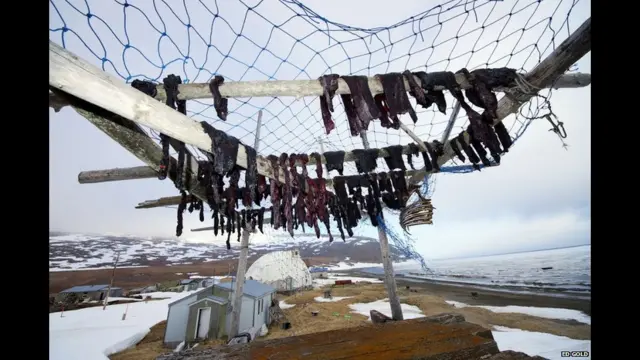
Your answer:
<point x="566" y="270"/>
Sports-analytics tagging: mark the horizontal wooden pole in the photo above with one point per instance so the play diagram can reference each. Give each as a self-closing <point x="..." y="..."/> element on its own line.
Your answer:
<point x="117" y="174"/>
<point x="300" y="88"/>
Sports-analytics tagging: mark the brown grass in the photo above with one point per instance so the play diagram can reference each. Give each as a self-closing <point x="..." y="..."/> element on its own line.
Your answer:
<point x="303" y="323"/>
<point x="151" y="347"/>
<point x="129" y="278"/>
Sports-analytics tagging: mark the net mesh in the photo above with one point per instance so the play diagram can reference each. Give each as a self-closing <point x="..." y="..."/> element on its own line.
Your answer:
<point x="287" y="40"/>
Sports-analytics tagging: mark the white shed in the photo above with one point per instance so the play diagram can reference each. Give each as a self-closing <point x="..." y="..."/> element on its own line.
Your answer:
<point x="283" y="270"/>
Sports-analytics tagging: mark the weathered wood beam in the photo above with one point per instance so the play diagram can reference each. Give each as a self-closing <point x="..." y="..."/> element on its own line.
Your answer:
<point x="126" y="133"/>
<point x="117" y="174"/>
<point x="297" y="88"/>
<point x="542" y="76"/>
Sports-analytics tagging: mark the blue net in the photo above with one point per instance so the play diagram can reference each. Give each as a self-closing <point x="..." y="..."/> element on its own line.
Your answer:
<point x="287" y="40"/>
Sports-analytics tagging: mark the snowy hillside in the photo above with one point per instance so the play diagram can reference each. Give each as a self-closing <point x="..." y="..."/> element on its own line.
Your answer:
<point x="82" y="251"/>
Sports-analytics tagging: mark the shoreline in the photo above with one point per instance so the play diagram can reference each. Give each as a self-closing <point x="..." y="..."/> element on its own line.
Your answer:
<point x="487" y="296"/>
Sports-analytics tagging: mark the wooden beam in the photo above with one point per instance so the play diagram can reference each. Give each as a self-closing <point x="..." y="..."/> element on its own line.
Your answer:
<point x="385" y="253"/>
<point x="242" y="259"/>
<point x="542" y="76"/>
<point x="117" y="174"/>
<point x="297" y="88"/>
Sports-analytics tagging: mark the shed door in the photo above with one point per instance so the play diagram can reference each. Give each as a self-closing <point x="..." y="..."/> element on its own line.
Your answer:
<point x="204" y="319"/>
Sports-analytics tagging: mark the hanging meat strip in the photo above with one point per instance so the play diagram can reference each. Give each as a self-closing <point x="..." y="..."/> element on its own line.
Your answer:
<point x="396" y="96"/>
<point x="321" y="195"/>
<point x="365" y="107"/>
<point x="366" y="160"/>
<point x="456" y="149"/>
<point x="287" y="193"/>
<point x="251" y="175"/>
<point x="416" y="91"/>
<point x="383" y="107"/>
<point x="482" y="82"/>
<point x="329" y="86"/>
<point x="275" y="196"/>
<point x="477" y="146"/>
<point x="400" y="185"/>
<point x="373" y="181"/>
<point x="394" y="159"/>
<point x="216" y="221"/>
<point x="469" y="151"/>
<point x="413" y="150"/>
<point x="219" y="103"/>
<point x="181" y="208"/>
<point x="223" y="147"/>
<point x="503" y="136"/>
<point x="231" y="193"/>
<point x="433" y="155"/>
<point x="335" y="161"/>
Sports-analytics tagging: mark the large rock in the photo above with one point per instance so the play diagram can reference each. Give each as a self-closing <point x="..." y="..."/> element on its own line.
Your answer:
<point x="379" y="318"/>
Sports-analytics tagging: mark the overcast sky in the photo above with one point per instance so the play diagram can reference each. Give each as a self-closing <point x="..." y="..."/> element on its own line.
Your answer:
<point x="538" y="198"/>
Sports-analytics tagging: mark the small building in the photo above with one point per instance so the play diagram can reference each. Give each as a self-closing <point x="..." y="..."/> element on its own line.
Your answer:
<point x="92" y="292"/>
<point x="319" y="272"/>
<point x="206" y="314"/>
<point x="189" y="284"/>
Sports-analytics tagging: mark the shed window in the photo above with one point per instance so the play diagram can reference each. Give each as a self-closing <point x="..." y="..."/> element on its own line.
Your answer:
<point x="260" y="302"/>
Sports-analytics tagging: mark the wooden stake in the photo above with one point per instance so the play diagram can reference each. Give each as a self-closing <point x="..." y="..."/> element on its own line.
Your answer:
<point x="387" y="264"/>
<point x="242" y="259"/>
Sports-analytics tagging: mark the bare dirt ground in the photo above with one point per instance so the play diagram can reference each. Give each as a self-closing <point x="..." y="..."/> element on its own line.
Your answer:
<point x="129" y="278"/>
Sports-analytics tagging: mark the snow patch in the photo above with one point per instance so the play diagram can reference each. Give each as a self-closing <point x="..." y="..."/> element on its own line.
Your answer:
<point x="408" y="311"/>
<point x="333" y="299"/>
<point x="543" y="312"/>
<point x="532" y="343"/>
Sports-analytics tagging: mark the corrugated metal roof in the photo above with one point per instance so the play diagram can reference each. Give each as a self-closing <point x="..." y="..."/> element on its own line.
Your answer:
<point x="318" y="269"/>
<point x="88" y="288"/>
<point x="251" y="287"/>
<point x="187" y="281"/>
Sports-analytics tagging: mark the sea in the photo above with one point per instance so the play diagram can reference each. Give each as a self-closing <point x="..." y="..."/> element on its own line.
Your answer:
<point x="558" y="272"/>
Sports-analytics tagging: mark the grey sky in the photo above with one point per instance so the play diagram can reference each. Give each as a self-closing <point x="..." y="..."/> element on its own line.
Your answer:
<point x="538" y="198"/>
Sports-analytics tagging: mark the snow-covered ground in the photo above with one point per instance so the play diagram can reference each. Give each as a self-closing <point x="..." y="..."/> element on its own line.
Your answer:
<point x="93" y="333"/>
<point x="408" y="311"/>
<point x="331" y="279"/>
<point x="333" y="299"/>
<point x="543" y="312"/>
<point x="284" y="305"/>
<point x="535" y="343"/>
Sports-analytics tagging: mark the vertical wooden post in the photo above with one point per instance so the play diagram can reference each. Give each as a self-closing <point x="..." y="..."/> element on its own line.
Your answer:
<point x="115" y="265"/>
<point x="387" y="264"/>
<point x="242" y="259"/>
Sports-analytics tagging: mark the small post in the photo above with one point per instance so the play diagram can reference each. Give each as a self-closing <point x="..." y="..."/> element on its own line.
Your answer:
<point x="115" y="265"/>
<point x="242" y="259"/>
<point x="124" y="315"/>
<point x="389" y="278"/>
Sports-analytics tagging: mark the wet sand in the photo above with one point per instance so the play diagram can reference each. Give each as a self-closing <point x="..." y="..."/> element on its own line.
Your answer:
<point x="488" y="296"/>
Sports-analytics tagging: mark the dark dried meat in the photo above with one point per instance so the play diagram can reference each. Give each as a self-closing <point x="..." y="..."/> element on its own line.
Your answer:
<point x="329" y="86"/>
<point x="335" y="161"/>
<point x="366" y="160"/>
<point x="394" y="159"/>
<point x="396" y="95"/>
<point x="223" y="147"/>
<point x="454" y="146"/>
<point x="469" y="151"/>
<point x="219" y="103"/>
<point x="503" y="136"/>
<point x="251" y="175"/>
<point x="287" y="193"/>
<point x="362" y="99"/>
